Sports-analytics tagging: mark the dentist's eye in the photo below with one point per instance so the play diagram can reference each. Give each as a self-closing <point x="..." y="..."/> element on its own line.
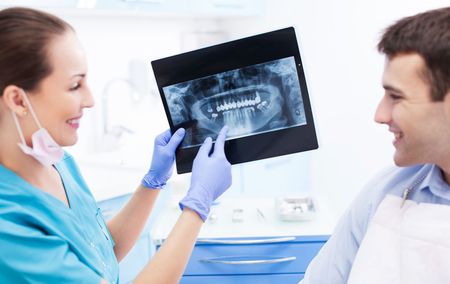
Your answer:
<point x="75" y="87"/>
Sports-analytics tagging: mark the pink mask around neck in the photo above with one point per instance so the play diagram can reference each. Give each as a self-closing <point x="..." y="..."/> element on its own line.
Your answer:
<point x="44" y="149"/>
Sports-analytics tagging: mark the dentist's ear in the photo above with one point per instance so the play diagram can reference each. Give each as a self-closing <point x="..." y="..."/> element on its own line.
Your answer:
<point x="13" y="99"/>
<point x="447" y="103"/>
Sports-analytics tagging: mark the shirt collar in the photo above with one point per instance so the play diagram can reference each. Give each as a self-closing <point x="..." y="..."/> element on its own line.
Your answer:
<point x="435" y="182"/>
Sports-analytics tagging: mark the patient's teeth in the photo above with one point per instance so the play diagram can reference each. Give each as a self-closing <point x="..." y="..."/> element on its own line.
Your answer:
<point x="262" y="106"/>
<point x="249" y="102"/>
<point x="258" y="98"/>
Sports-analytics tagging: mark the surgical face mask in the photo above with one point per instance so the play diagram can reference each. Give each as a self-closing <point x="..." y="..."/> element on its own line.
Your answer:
<point x="44" y="149"/>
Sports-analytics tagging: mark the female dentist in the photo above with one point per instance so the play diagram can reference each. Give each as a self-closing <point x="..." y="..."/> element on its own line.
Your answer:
<point x="51" y="230"/>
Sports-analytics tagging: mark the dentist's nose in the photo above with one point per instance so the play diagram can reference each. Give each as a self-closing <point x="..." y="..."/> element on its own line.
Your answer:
<point x="88" y="99"/>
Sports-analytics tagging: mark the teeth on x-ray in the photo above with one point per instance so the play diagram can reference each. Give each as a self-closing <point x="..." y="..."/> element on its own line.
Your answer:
<point x="262" y="106"/>
<point x="250" y="100"/>
<point x="237" y="103"/>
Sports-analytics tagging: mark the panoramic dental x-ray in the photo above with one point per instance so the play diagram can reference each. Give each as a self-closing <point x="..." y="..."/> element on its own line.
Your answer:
<point x="250" y="100"/>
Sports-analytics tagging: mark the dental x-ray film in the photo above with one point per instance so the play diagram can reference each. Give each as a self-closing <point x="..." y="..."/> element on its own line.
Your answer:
<point x="256" y="86"/>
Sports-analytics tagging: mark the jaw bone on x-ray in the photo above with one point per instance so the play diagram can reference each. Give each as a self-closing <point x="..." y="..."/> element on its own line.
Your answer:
<point x="250" y="100"/>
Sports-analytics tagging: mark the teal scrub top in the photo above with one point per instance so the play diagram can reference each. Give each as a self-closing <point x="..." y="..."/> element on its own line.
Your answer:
<point x="44" y="241"/>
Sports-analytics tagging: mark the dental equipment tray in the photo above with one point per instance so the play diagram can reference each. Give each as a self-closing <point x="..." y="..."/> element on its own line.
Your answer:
<point x="255" y="85"/>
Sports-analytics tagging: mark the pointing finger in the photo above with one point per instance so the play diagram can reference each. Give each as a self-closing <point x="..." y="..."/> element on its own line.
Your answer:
<point x="205" y="148"/>
<point x="220" y="142"/>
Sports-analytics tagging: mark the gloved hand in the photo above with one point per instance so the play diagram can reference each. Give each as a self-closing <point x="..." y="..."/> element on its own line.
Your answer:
<point x="163" y="157"/>
<point x="211" y="176"/>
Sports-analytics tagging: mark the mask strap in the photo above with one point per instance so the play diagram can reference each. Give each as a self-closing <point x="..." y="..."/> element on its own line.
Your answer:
<point x="22" y="138"/>
<point x="31" y="109"/>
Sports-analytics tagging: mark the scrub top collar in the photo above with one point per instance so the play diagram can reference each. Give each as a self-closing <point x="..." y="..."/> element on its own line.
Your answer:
<point x="81" y="225"/>
<point x="29" y="189"/>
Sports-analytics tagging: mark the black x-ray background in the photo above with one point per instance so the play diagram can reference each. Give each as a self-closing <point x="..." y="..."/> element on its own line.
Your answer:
<point x="249" y="100"/>
<point x="201" y="90"/>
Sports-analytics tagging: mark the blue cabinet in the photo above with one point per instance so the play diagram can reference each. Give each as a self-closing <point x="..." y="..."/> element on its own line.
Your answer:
<point x="249" y="260"/>
<point x="225" y="260"/>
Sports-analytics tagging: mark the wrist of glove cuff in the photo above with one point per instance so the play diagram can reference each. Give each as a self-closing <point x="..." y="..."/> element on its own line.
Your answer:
<point x="152" y="182"/>
<point x="196" y="205"/>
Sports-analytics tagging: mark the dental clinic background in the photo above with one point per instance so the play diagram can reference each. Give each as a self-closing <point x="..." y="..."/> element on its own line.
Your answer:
<point x="343" y="69"/>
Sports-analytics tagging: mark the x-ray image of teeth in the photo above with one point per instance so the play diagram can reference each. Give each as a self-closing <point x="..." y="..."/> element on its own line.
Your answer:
<point x="250" y="100"/>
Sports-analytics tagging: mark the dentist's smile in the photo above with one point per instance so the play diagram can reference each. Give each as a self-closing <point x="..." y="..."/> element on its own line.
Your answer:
<point x="74" y="122"/>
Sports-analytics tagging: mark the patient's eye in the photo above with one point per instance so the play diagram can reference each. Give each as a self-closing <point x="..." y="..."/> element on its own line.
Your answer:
<point x="394" y="96"/>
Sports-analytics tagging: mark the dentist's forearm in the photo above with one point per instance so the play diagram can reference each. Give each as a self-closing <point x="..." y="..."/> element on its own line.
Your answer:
<point x="127" y="225"/>
<point x="169" y="262"/>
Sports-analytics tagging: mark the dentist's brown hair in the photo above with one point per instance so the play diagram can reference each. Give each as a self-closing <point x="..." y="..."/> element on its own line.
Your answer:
<point x="24" y="37"/>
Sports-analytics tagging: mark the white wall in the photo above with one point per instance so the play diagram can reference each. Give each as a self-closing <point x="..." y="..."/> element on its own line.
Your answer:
<point x="111" y="42"/>
<point x="338" y="40"/>
<point x="343" y="70"/>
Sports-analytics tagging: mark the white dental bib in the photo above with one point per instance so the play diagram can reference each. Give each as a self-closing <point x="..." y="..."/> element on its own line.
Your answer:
<point x="405" y="244"/>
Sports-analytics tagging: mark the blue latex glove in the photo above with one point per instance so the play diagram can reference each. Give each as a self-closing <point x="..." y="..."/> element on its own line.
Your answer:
<point x="163" y="157"/>
<point x="211" y="176"/>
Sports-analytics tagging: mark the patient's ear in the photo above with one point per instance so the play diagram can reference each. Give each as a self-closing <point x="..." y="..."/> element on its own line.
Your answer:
<point x="13" y="99"/>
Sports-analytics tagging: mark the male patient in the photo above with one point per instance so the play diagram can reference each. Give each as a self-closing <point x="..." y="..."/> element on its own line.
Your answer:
<point x="398" y="228"/>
